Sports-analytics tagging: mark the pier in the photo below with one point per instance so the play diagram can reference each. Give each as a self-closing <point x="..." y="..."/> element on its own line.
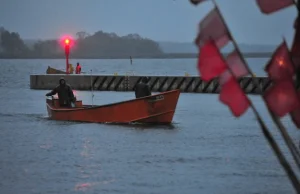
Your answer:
<point x="187" y="84"/>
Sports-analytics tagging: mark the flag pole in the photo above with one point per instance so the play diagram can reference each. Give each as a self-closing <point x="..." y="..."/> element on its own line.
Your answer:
<point x="265" y="131"/>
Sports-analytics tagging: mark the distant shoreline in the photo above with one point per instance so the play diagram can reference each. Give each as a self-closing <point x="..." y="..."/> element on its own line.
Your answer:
<point x="104" y="45"/>
<point x="164" y="56"/>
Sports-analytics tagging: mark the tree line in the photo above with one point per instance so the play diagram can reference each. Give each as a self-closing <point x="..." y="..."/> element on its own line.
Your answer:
<point x="98" y="45"/>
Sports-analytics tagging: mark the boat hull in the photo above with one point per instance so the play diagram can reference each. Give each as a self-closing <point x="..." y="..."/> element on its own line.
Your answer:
<point x="156" y="109"/>
<point x="51" y="70"/>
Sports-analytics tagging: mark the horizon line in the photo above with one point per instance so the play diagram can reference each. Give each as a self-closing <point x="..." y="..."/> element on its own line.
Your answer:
<point x="158" y="41"/>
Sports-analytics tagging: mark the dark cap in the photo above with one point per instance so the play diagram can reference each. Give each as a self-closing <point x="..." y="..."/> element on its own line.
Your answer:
<point x="145" y="79"/>
<point x="62" y="79"/>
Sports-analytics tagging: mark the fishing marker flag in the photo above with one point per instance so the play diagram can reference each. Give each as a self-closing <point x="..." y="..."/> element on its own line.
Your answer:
<point x="213" y="27"/>
<point x="282" y="98"/>
<point x="236" y="65"/>
<point x="233" y="96"/>
<point x="210" y="61"/>
<point x="280" y="66"/>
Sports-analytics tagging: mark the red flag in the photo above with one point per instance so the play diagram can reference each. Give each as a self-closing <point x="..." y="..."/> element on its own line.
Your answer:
<point x="234" y="97"/>
<point x="280" y="66"/>
<point x="196" y="2"/>
<point x="224" y="77"/>
<point x="213" y="27"/>
<point x="282" y="98"/>
<point x="270" y="6"/>
<point x="210" y="62"/>
<point x="237" y="66"/>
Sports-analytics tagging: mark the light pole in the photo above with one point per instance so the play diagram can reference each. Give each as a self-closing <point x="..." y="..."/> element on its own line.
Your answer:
<point x="67" y="52"/>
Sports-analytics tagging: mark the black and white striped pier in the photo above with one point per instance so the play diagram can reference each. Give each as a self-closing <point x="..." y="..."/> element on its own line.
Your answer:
<point x="187" y="84"/>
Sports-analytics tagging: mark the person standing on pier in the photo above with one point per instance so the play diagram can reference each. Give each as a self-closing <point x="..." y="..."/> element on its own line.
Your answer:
<point x="71" y="69"/>
<point x="78" y="69"/>
<point x="142" y="89"/>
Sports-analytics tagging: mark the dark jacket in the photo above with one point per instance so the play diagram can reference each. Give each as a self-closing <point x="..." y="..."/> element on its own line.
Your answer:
<point x="142" y="90"/>
<point x="65" y="94"/>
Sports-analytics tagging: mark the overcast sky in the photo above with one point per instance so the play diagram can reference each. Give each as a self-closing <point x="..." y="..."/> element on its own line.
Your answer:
<point x="161" y="20"/>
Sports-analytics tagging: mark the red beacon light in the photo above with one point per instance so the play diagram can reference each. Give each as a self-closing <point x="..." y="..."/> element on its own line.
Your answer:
<point x="67" y="41"/>
<point x="67" y="46"/>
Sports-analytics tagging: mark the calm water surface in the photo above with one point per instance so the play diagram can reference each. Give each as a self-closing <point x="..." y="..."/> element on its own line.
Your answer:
<point x="205" y="150"/>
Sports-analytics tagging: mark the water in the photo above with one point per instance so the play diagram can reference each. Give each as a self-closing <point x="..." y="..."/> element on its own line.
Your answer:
<point x="205" y="150"/>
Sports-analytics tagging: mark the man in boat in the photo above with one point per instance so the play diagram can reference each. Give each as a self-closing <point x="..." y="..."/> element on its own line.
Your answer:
<point x="64" y="92"/>
<point x="142" y="89"/>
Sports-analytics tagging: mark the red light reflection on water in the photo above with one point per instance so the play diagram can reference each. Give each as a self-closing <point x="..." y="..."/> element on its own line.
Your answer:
<point x="86" y="186"/>
<point x="83" y="186"/>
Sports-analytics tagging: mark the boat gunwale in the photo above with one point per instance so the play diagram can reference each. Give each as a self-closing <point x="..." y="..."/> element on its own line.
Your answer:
<point x="106" y="105"/>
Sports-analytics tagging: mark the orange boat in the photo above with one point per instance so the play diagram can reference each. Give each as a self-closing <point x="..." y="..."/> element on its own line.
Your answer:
<point x="155" y="109"/>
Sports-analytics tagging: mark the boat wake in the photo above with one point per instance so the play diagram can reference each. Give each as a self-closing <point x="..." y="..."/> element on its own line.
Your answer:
<point x="24" y="116"/>
<point x="45" y="117"/>
<point x="36" y="118"/>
